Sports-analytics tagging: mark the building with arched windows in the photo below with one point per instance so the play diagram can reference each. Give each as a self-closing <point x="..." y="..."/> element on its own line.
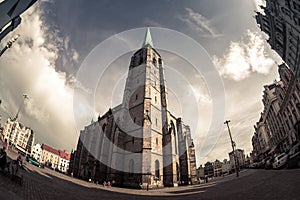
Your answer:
<point x="139" y="143"/>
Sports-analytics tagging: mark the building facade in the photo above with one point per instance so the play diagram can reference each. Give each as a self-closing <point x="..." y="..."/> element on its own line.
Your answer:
<point x="50" y="156"/>
<point x="265" y="128"/>
<point x="200" y="173"/>
<point x="37" y="152"/>
<point x="288" y="118"/>
<point x="208" y="169"/>
<point x="19" y="136"/>
<point x="64" y="161"/>
<point x="240" y="155"/>
<point x="139" y="143"/>
<point x="226" y="167"/>
<point x="281" y="22"/>
<point x="217" y="165"/>
<point x="278" y="127"/>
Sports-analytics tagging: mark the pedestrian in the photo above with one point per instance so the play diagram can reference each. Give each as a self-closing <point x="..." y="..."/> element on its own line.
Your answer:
<point x="19" y="161"/>
<point x="104" y="183"/>
<point x="108" y="183"/>
<point x="2" y="158"/>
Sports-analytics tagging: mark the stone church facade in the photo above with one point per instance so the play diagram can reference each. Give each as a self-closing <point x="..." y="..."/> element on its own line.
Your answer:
<point x="138" y="143"/>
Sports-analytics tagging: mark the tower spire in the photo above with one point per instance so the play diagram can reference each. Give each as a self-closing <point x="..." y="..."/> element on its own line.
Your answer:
<point x="148" y="38"/>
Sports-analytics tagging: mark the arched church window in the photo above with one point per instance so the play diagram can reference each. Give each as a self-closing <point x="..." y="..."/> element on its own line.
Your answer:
<point x="140" y="60"/>
<point x="159" y="61"/>
<point x="103" y="127"/>
<point x="154" y="61"/>
<point x="157" y="174"/>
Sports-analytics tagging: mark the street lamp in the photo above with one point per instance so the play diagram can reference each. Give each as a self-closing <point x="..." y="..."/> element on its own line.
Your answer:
<point x="9" y="44"/>
<point x="21" y="106"/>
<point x="233" y="148"/>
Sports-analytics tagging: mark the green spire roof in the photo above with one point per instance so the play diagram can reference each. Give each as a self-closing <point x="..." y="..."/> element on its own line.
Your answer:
<point x="148" y="39"/>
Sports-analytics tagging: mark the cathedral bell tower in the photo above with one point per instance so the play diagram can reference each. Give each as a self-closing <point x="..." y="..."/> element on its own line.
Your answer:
<point x="146" y="117"/>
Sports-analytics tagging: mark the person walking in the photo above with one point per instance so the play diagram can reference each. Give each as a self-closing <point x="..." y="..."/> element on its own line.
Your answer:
<point x="206" y="178"/>
<point x="3" y="158"/>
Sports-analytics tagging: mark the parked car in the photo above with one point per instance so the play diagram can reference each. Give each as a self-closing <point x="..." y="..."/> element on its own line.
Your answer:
<point x="280" y="161"/>
<point x="294" y="156"/>
<point x="261" y="164"/>
<point x="253" y="165"/>
<point x="34" y="162"/>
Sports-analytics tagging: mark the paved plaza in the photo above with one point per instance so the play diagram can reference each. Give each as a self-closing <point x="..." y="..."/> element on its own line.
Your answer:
<point x="252" y="184"/>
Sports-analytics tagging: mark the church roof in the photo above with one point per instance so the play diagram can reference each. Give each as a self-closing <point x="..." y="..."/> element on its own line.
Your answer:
<point x="148" y="38"/>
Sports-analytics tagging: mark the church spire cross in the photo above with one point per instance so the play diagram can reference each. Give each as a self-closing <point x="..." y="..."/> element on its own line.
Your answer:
<point x="148" y="38"/>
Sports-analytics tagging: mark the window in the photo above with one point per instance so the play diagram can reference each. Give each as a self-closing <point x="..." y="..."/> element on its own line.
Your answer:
<point x="156" y="121"/>
<point x="177" y="171"/>
<point x="296" y="6"/>
<point x="157" y="174"/>
<point x="159" y="61"/>
<point x="155" y="98"/>
<point x="154" y="61"/>
<point x="140" y="60"/>
<point x="156" y="141"/>
<point x="131" y="168"/>
<point x="134" y="119"/>
<point x="136" y="97"/>
<point x="103" y="127"/>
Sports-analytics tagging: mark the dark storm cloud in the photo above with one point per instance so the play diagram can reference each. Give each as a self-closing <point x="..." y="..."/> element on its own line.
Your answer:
<point x="87" y="23"/>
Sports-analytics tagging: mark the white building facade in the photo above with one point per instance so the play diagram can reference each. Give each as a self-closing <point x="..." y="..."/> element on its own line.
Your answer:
<point x="64" y="161"/>
<point x="37" y="152"/>
<point x="18" y="136"/>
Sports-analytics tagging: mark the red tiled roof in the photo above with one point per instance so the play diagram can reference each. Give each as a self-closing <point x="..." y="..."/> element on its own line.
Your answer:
<point x="64" y="155"/>
<point x="50" y="149"/>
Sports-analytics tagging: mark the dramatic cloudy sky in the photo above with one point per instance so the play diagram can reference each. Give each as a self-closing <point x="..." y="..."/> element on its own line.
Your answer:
<point x="58" y="36"/>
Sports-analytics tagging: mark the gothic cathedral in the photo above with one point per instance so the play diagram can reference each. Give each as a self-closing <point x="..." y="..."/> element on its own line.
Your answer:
<point x="139" y="143"/>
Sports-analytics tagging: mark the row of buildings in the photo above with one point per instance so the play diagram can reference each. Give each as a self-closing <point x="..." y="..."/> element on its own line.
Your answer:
<point x="139" y="143"/>
<point x="279" y="124"/>
<point x="218" y="168"/>
<point x="51" y="157"/>
<point x="17" y="136"/>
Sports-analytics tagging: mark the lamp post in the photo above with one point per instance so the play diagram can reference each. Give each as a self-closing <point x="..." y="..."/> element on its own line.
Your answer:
<point x="9" y="44"/>
<point x="233" y="148"/>
<point x="21" y="106"/>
